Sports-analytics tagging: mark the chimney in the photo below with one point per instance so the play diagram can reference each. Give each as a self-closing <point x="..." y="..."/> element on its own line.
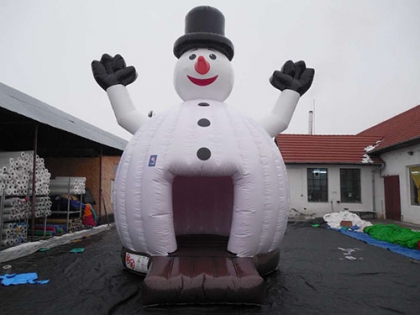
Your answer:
<point x="311" y="122"/>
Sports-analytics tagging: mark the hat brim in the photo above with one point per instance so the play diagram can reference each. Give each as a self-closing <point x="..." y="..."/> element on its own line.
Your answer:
<point x="203" y="40"/>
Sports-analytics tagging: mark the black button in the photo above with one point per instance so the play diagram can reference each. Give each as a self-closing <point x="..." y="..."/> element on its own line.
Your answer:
<point x="203" y="104"/>
<point x="203" y="122"/>
<point x="203" y="154"/>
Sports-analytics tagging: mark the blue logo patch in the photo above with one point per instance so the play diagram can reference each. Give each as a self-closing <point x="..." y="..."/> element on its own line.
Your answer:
<point x="152" y="160"/>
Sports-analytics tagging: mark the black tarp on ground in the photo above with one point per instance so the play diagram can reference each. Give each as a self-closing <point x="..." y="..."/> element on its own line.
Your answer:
<point x="315" y="277"/>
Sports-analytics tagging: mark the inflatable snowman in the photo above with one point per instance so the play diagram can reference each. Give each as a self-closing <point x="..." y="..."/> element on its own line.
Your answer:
<point x="201" y="178"/>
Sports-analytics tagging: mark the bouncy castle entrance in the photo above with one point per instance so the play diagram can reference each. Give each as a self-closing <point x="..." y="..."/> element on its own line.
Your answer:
<point x="202" y="205"/>
<point x="202" y="271"/>
<point x="202" y="276"/>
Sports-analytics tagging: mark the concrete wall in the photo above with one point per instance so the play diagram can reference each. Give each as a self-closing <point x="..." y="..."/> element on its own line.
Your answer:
<point x="370" y="179"/>
<point x="398" y="162"/>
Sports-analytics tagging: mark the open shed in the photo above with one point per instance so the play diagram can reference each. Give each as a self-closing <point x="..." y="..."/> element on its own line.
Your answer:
<point x="68" y="145"/>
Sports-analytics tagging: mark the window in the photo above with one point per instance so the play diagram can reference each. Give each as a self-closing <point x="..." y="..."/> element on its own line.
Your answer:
<point x="317" y="184"/>
<point x="350" y="185"/>
<point x="415" y="185"/>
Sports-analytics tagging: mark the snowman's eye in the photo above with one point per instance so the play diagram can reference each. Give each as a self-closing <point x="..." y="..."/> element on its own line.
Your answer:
<point x="212" y="56"/>
<point x="192" y="57"/>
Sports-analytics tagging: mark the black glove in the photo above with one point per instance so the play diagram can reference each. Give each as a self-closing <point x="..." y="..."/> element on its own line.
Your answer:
<point x="112" y="71"/>
<point x="293" y="76"/>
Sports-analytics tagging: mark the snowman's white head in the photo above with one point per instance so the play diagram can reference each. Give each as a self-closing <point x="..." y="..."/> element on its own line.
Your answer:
<point x="203" y="74"/>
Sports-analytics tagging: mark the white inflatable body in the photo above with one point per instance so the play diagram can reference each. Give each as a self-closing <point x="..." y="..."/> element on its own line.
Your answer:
<point x="201" y="168"/>
<point x="201" y="196"/>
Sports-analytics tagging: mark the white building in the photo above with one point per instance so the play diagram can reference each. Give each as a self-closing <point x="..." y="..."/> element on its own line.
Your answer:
<point x="377" y="170"/>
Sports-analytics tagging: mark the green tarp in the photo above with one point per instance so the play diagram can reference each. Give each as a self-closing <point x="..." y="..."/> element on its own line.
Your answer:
<point x="395" y="234"/>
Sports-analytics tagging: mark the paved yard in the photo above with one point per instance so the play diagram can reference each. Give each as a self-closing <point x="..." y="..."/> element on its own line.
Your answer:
<point x="321" y="272"/>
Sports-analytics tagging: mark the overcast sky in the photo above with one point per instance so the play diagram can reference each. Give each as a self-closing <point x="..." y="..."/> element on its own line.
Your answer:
<point x="366" y="54"/>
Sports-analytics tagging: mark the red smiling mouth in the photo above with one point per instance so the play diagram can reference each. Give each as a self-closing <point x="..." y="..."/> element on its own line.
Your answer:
<point x="202" y="82"/>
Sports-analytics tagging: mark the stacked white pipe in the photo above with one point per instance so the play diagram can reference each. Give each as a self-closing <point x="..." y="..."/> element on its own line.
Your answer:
<point x="14" y="233"/>
<point x="42" y="175"/>
<point x="15" y="209"/>
<point x="42" y="207"/>
<point x="75" y="225"/>
<point x="68" y="185"/>
<point x="16" y="170"/>
<point x="14" y="173"/>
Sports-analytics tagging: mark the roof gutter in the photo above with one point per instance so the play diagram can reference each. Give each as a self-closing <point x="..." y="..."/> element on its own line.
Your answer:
<point x="337" y="163"/>
<point x="395" y="146"/>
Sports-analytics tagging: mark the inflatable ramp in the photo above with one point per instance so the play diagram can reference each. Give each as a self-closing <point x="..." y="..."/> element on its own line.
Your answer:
<point x="202" y="275"/>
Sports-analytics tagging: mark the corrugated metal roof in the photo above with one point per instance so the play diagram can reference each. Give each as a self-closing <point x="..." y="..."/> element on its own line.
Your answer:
<point x="336" y="149"/>
<point x="23" y="104"/>
<point x="397" y="130"/>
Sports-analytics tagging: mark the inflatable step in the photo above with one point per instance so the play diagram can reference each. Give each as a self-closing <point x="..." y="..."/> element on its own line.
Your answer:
<point x="202" y="280"/>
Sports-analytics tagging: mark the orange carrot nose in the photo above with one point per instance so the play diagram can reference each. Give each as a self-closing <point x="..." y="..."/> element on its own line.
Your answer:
<point x="202" y="66"/>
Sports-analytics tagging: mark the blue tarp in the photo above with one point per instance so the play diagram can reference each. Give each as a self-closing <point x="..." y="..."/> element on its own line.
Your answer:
<point x="412" y="253"/>
<point x="21" y="278"/>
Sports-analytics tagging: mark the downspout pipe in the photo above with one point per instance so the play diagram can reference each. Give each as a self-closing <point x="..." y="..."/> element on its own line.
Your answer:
<point x="100" y="184"/>
<point x="379" y="170"/>
<point x="373" y="191"/>
<point x="34" y="182"/>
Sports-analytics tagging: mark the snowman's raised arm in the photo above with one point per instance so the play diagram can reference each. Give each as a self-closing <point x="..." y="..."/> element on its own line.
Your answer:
<point x="127" y="115"/>
<point x="112" y="74"/>
<point x="293" y="80"/>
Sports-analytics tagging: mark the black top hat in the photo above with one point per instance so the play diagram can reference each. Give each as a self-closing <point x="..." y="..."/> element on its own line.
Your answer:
<point x="204" y="28"/>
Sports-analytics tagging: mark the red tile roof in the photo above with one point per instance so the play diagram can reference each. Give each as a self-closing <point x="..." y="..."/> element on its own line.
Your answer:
<point x="397" y="130"/>
<point x="336" y="149"/>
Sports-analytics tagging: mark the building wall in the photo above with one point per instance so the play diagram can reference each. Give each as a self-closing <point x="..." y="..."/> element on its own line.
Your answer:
<point x="369" y="177"/>
<point x="398" y="162"/>
<point x="89" y="168"/>
<point x="77" y="167"/>
<point x="109" y="166"/>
